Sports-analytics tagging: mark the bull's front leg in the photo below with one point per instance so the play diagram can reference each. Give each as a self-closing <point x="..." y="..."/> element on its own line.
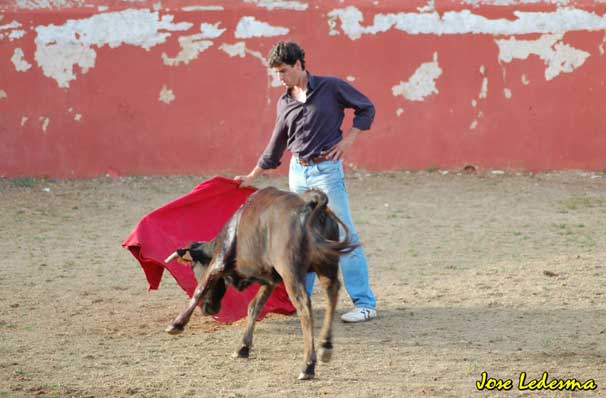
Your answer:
<point x="254" y="309"/>
<point x="178" y="325"/>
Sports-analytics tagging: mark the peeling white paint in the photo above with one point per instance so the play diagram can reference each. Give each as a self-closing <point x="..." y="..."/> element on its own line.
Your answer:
<point x="210" y="31"/>
<point x="239" y="50"/>
<point x="463" y="22"/>
<point x="276" y="4"/>
<point x="475" y="122"/>
<point x="16" y="34"/>
<point x="59" y="48"/>
<point x="422" y="83"/>
<point x="45" y="122"/>
<point x="46" y="4"/>
<point x="77" y="117"/>
<point x="191" y="47"/>
<point x="484" y="90"/>
<point x="23" y="120"/>
<point x="601" y="46"/>
<point x="234" y="50"/>
<point x="3" y="94"/>
<point x="507" y="93"/>
<point x="351" y="78"/>
<point x="429" y="7"/>
<point x="202" y="8"/>
<point x="399" y="112"/>
<point x="166" y="95"/>
<point x="21" y="65"/>
<point x="525" y="80"/>
<point x="558" y="56"/>
<point x="483" y="94"/>
<point x="477" y="3"/>
<point x="12" y="25"/>
<point x="102" y="8"/>
<point x="249" y="27"/>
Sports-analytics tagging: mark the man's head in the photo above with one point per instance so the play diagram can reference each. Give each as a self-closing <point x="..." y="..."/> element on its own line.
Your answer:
<point x="287" y="60"/>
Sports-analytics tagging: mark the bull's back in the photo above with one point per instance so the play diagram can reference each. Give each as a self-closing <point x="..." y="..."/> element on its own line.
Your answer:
<point x="269" y="228"/>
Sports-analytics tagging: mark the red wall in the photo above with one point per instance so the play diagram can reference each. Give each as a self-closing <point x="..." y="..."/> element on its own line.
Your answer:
<point x="110" y="119"/>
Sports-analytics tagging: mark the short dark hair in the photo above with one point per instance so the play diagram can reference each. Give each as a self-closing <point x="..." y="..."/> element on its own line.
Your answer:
<point x="286" y="52"/>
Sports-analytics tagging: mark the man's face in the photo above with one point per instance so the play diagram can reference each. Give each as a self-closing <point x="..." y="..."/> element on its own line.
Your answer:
<point x="288" y="75"/>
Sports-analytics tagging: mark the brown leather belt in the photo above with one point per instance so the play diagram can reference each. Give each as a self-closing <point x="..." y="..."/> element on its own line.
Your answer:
<point x="314" y="160"/>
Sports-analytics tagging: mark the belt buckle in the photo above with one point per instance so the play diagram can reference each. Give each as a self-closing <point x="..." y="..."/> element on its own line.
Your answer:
<point x="302" y="162"/>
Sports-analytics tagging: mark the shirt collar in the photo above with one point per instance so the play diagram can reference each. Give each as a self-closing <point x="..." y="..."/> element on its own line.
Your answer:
<point x="311" y="81"/>
<point x="311" y="84"/>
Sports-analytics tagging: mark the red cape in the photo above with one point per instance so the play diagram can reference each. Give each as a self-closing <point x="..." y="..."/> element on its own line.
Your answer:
<point x="197" y="216"/>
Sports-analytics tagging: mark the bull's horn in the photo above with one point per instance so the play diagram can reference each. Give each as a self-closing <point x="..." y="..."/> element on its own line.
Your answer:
<point x="171" y="257"/>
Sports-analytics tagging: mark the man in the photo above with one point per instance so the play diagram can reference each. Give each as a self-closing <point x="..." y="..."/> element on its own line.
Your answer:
<point x="308" y="123"/>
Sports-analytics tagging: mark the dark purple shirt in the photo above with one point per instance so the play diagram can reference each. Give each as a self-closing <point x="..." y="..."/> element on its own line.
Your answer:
<point x="309" y="128"/>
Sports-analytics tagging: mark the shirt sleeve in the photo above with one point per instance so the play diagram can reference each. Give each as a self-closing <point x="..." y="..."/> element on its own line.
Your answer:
<point x="349" y="97"/>
<point x="270" y="159"/>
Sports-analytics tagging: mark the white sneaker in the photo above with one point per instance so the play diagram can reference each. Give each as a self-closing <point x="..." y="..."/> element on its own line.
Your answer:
<point x="359" y="314"/>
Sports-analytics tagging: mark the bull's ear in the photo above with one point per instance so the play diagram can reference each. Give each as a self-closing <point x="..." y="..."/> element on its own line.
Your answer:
<point x="184" y="254"/>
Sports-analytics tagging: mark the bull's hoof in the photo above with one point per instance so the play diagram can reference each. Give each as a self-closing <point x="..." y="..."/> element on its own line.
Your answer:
<point x="243" y="352"/>
<point x="174" y="329"/>
<point x="309" y="372"/>
<point x="325" y="354"/>
<point x="306" y="376"/>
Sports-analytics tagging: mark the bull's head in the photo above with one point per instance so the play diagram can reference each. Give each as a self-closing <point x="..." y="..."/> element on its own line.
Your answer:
<point x="198" y="256"/>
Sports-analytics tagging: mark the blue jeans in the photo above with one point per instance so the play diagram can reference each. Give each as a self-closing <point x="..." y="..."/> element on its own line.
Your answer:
<point x="328" y="177"/>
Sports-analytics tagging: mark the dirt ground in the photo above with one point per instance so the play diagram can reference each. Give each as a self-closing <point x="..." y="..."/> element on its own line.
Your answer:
<point x="496" y="272"/>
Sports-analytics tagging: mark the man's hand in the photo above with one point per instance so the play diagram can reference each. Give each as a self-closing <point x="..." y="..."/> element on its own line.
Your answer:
<point x="247" y="180"/>
<point x="337" y="151"/>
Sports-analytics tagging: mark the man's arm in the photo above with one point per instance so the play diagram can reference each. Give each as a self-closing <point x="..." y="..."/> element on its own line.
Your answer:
<point x="364" y="110"/>
<point x="270" y="159"/>
<point x="337" y="151"/>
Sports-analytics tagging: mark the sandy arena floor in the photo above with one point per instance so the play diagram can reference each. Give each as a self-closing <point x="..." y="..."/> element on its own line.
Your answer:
<point x="473" y="273"/>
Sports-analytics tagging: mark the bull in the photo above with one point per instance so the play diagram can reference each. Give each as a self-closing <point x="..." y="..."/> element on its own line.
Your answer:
<point x="274" y="236"/>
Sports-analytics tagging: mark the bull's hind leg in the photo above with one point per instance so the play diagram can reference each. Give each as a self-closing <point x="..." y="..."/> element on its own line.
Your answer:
<point x="295" y="287"/>
<point x="254" y="309"/>
<point x="331" y="286"/>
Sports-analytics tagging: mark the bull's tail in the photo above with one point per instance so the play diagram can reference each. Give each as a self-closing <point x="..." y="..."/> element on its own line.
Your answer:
<point x="322" y="223"/>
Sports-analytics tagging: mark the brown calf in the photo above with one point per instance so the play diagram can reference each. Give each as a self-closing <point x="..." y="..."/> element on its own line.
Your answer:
<point x="275" y="236"/>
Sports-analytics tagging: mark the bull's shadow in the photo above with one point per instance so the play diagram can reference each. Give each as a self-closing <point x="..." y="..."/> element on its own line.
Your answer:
<point x="469" y="340"/>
